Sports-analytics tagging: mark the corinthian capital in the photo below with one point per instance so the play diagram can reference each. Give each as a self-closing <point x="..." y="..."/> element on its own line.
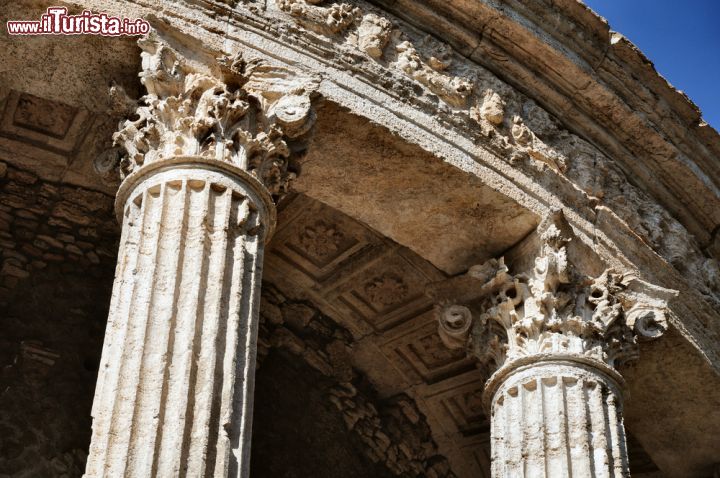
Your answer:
<point x="551" y="309"/>
<point x="253" y="115"/>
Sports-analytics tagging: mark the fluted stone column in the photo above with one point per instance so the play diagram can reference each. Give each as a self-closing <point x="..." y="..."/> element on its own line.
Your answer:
<point x="558" y="418"/>
<point x="204" y="161"/>
<point x="551" y="338"/>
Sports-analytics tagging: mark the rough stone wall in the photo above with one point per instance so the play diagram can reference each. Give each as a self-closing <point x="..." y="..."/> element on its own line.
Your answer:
<point x="44" y="223"/>
<point x="297" y="432"/>
<point x="391" y="431"/>
<point x="57" y="248"/>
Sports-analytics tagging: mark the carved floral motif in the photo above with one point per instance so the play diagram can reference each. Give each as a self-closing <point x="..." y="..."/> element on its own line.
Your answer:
<point x="247" y="118"/>
<point x="373" y="34"/>
<point x="553" y="309"/>
<point x="386" y="290"/>
<point x="434" y="353"/>
<point x="327" y="20"/>
<point x="452" y="89"/>
<point x="321" y="239"/>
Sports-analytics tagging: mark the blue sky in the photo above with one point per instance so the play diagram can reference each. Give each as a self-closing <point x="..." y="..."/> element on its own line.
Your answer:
<point x="682" y="39"/>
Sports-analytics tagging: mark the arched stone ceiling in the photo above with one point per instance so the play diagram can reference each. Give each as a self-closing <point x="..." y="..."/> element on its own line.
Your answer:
<point x="375" y="288"/>
<point x="450" y="218"/>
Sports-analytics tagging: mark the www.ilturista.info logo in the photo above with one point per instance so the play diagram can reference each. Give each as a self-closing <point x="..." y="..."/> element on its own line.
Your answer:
<point x="56" y="21"/>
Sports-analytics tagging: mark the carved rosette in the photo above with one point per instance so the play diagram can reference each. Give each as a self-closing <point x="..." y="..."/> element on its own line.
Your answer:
<point x="552" y="338"/>
<point x="254" y="116"/>
<point x="386" y="290"/>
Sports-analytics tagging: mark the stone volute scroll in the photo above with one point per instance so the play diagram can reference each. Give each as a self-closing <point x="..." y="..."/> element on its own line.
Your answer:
<point x="206" y="154"/>
<point x="551" y="339"/>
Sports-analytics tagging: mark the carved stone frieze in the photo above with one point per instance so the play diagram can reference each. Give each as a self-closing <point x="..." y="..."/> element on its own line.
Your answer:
<point x="374" y="35"/>
<point x="552" y="309"/>
<point x="521" y="132"/>
<point x="254" y="117"/>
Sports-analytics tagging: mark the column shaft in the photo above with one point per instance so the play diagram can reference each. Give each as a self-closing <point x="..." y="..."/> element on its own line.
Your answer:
<point x="558" y="420"/>
<point x="174" y="392"/>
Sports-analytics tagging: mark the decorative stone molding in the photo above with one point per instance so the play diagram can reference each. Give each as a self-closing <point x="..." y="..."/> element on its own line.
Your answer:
<point x="605" y="180"/>
<point x="326" y="20"/>
<point x="253" y="117"/>
<point x="453" y="89"/>
<point x="374" y="34"/>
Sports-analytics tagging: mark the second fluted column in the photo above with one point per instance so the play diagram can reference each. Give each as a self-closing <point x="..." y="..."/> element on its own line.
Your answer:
<point x="550" y="339"/>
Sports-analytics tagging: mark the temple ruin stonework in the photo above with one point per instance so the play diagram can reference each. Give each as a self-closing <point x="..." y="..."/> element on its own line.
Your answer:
<point x="362" y="238"/>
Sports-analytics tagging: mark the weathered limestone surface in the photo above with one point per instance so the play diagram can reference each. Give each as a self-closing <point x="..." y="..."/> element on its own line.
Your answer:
<point x="177" y="365"/>
<point x="558" y="419"/>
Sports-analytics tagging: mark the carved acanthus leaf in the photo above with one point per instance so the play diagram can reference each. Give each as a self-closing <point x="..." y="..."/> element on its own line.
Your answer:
<point x="251" y="117"/>
<point x="326" y="20"/>
<point x="452" y="89"/>
<point x="374" y="34"/>
<point x="550" y="309"/>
